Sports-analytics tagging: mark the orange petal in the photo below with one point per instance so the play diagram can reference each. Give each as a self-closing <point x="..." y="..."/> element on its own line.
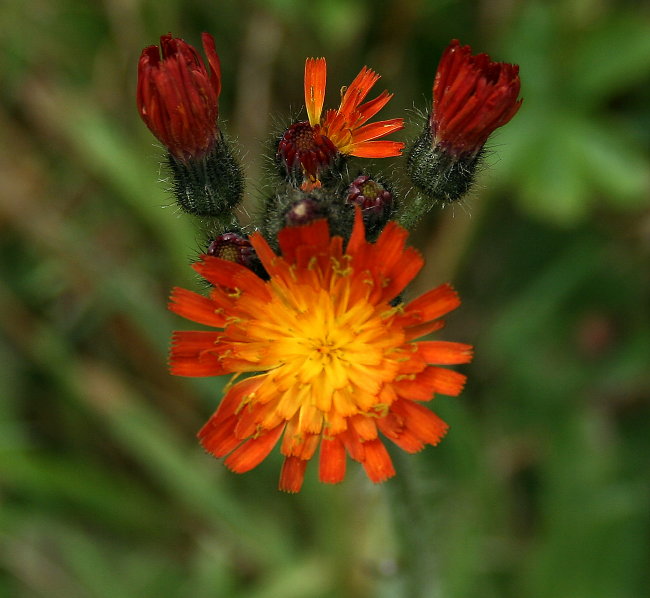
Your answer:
<point x="313" y="238"/>
<point x="213" y="60"/>
<point x="252" y="452"/>
<point x="292" y="474"/>
<point x="444" y="381"/>
<point x="303" y="446"/>
<point x="420" y="421"/>
<point x="377" y="462"/>
<point x="422" y="386"/>
<point x="377" y="149"/>
<point x="231" y="275"/>
<point x="365" y="427"/>
<point x="315" y="80"/>
<point x="332" y="461"/>
<point x="377" y="129"/>
<point x="358" y="237"/>
<point x="445" y="353"/>
<point x="193" y="353"/>
<point x="195" y="307"/>
<point x="353" y="444"/>
<point x="413" y="332"/>
<point x="434" y="303"/>
<point x="219" y="440"/>
<point x="392" y="426"/>
<point x="369" y="109"/>
<point x="358" y="90"/>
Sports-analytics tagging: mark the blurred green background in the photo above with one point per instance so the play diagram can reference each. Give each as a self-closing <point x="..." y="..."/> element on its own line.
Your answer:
<point x="541" y="489"/>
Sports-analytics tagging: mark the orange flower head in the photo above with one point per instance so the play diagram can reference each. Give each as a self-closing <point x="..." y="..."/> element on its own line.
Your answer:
<point x="313" y="144"/>
<point x="334" y="360"/>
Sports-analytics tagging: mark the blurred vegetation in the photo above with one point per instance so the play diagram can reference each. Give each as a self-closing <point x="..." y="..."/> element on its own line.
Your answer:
<point x="542" y="488"/>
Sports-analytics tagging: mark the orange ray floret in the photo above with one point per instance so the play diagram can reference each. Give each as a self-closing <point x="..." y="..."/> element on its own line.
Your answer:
<point x="345" y="127"/>
<point x="337" y="364"/>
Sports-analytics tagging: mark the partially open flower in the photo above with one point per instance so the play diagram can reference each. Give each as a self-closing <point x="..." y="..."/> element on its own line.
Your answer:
<point x="472" y="96"/>
<point x="178" y="95"/>
<point x="312" y="145"/>
<point x="333" y="362"/>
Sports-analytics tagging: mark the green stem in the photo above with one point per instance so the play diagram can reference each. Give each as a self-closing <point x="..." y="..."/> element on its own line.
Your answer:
<point x="413" y="522"/>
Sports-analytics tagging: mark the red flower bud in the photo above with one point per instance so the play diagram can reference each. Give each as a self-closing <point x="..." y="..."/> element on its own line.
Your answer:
<point x="178" y="95"/>
<point x="233" y="247"/>
<point x="472" y="96"/>
<point x="370" y="195"/>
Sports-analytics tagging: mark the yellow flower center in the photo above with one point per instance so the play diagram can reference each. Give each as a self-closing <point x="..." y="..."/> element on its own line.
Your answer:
<point x="324" y="356"/>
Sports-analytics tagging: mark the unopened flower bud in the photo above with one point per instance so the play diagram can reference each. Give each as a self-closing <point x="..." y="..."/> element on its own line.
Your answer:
<point x="370" y="195"/>
<point x="178" y="99"/>
<point x="233" y="247"/>
<point x="472" y="96"/>
<point x="178" y="95"/>
<point x="304" y="211"/>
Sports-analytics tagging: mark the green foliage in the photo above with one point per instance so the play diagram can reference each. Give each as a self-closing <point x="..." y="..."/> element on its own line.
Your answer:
<point x="541" y="489"/>
<point x="572" y="148"/>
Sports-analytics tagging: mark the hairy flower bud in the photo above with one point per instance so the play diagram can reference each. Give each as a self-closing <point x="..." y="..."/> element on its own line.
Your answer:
<point x="472" y="96"/>
<point x="178" y="99"/>
<point x="370" y="195"/>
<point x="303" y="211"/>
<point x="232" y="247"/>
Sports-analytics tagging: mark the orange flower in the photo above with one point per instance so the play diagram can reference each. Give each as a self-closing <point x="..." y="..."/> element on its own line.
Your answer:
<point x="334" y="362"/>
<point x="313" y="144"/>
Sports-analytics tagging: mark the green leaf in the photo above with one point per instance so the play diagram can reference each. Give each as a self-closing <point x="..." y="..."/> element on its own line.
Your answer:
<point x="611" y="58"/>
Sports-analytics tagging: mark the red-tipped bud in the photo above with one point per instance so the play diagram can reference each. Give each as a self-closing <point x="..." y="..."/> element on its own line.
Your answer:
<point x="370" y="195"/>
<point x="178" y="95"/>
<point x="302" y="149"/>
<point x="233" y="248"/>
<point x="472" y="96"/>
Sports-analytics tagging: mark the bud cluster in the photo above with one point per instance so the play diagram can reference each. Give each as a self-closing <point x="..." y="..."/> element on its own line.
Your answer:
<point x="178" y="99"/>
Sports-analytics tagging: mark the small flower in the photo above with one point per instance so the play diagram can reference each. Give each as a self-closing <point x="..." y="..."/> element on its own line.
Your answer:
<point x="333" y="363"/>
<point x="314" y="144"/>
<point x="178" y="95"/>
<point x="472" y="96"/>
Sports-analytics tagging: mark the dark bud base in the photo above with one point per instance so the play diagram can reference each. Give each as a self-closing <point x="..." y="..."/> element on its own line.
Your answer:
<point x="438" y="173"/>
<point x="210" y="186"/>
